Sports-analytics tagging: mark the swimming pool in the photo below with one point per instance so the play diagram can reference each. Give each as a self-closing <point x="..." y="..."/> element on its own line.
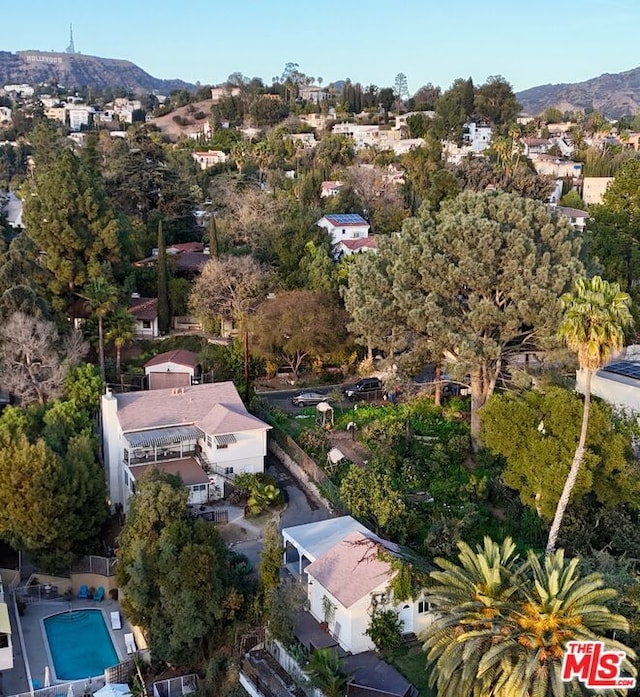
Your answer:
<point x="80" y="644"/>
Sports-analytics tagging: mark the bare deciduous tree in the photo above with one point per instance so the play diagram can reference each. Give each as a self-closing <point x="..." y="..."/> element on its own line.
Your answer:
<point x="227" y="288"/>
<point x="34" y="358"/>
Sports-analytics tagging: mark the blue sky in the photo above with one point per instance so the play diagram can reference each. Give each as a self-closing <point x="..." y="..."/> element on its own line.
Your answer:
<point x="369" y="41"/>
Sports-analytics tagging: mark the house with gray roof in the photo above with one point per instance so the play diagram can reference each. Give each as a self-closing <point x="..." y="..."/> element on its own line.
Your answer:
<point x="203" y="433"/>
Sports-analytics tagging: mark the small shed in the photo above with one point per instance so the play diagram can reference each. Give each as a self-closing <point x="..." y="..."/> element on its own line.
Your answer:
<point x="179" y="368"/>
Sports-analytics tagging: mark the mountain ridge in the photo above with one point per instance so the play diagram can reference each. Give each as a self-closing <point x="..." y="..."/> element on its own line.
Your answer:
<point x="77" y="70"/>
<point x="613" y="94"/>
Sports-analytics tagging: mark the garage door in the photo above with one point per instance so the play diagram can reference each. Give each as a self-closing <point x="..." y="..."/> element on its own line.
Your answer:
<point x="162" y="381"/>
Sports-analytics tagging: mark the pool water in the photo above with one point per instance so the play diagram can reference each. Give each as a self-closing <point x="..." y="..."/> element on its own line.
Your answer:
<point x="80" y="644"/>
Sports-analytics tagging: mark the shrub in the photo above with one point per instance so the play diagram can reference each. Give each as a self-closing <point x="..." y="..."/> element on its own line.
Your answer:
<point x="385" y="629"/>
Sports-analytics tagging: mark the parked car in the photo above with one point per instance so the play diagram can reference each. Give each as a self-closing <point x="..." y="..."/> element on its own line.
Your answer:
<point x="362" y="389"/>
<point x="302" y="399"/>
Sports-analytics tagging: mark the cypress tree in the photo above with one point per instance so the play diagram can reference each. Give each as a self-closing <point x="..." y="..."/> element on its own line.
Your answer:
<point x="164" y="313"/>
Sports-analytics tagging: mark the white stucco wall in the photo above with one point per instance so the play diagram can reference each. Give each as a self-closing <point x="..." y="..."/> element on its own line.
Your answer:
<point x="621" y="391"/>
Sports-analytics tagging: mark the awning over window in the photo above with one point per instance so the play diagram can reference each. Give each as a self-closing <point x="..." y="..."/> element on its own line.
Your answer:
<point x="227" y="439"/>
<point x="162" y="436"/>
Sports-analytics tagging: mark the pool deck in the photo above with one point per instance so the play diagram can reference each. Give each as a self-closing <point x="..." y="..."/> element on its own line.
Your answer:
<point x="16" y="681"/>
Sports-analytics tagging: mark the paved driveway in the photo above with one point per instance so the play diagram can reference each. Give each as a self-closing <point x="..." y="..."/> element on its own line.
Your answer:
<point x="246" y="535"/>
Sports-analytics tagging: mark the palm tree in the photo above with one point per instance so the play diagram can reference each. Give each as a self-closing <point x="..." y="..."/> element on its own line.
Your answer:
<point x="120" y="331"/>
<point x="326" y="673"/>
<point x="502" y="623"/>
<point x="469" y="599"/>
<point x="101" y="298"/>
<point x="595" y="317"/>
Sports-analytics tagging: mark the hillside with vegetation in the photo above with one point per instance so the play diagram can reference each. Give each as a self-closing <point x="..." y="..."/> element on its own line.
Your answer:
<point x="75" y="70"/>
<point x="613" y="94"/>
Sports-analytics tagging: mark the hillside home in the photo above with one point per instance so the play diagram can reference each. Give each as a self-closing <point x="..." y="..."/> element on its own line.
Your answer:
<point x="179" y="368"/>
<point x="536" y="146"/>
<point x="5" y="114"/>
<point x="218" y="93"/>
<point x="145" y="314"/>
<point x="304" y="140"/>
<point x="340" y="563"/>
<point x="344" y="226"/>
<point x="554" y="167"/>
<point x="477" y="136"/>
<point x="577" y="218"/>
<point x="401" y="119"/>
<point x="11" y="208"/>
<point x="209" y="158"/>
<point x="313" y="93"/>
<point x="203" y="433"/>
<point x="185" y="258"/>
<point x="593" y="189"/>
<point x="347" y="247"/>
<point x="330" y="188"/>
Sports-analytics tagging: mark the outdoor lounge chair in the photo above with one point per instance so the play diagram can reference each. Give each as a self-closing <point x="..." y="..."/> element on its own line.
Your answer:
<point x="99" y="594"/>
<point x="130" y="643"/>
<point x="115" y="620"/>
<point x="83" y="593"/>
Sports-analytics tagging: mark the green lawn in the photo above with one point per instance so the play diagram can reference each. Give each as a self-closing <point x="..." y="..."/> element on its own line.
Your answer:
<point x="409" y="659"/>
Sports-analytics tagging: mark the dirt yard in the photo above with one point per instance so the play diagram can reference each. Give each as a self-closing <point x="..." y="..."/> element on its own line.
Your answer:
<point x="352" y="449"/>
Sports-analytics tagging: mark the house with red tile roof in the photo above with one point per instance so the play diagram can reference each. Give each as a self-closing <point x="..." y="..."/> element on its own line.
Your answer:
<point x="203" y="433"/>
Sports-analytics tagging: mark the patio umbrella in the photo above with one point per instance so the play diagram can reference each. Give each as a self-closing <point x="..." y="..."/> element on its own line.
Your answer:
<point x="113" y="690"/>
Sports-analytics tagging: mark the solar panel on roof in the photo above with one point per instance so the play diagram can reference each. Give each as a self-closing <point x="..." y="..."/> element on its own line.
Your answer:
<point x="629" y="370"/>
<point x="346" y="218"/>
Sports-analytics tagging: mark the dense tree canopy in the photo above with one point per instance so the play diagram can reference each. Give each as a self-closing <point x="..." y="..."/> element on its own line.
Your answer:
<point x="52" y="497"/>
<point x="70" y="219"/>
<point x="474" y="282"/>
<point x="180" y="583"/>
<point x="296" y="326"/>
<point x="536" y="432"/>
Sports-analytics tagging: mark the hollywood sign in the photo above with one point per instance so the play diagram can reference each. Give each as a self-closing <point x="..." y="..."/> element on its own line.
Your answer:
<point x="31" y="58"/>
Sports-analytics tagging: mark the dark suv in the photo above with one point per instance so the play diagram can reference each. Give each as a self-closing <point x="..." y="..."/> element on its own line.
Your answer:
<point x="364" y="388"/>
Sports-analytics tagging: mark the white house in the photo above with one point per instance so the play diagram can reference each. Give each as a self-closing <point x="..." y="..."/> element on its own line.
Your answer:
<point x="209" y="158"/>
<point x="179" y="368"/>
<point x="11" y="207"/>
<point x="5" y="114"/>
<point x="477" y="136"/>
<point x="345" y="575"/>
<point x="617" y="383"/>
<point x="344" y="226"/>
<point x="204" y="433"/>
<point x="577" y="218"/>
<point x="330" y="188"/>
<point x="347" y="247"/>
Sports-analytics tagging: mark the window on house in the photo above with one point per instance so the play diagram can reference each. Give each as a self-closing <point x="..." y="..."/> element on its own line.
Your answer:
<point x="146" y="324"/>
<point x="209" y="441"/>
<point x="228" y="470"/>
<point x="424" y="607"/>
<point x="126" y="479"/>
